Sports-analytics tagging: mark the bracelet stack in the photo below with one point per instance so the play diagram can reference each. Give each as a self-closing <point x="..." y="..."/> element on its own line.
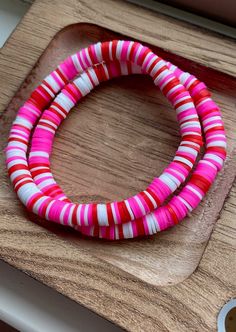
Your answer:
<point x="32" y="134"/>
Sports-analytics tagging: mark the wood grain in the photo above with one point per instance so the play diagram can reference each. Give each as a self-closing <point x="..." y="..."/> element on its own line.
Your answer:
<point x="112" y="279"/>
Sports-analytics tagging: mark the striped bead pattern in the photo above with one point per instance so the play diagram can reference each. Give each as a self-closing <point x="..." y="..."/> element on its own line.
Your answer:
<point x="141" y="214"/>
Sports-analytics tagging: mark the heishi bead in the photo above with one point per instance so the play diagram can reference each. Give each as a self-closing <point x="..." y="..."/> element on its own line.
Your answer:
<point x="28" y="162"/>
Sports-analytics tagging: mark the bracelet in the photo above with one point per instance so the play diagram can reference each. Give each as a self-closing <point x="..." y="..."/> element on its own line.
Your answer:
<point x="138" y="215"/>
<point x="199" y="183"/>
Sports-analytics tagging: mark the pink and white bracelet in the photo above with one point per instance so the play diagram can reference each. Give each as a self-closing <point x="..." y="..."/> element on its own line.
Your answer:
<point x="141" y="214"/>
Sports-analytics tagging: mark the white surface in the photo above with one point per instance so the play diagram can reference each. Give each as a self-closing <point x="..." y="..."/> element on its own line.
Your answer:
<point x="11" y="11"/>
<point x="188" y="17"/>
<point x="30" y="306"/>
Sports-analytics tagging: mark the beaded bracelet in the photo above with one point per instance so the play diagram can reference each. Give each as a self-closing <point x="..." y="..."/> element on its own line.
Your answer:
<point x="110" y="232"/>
<point x="38" y="190"/>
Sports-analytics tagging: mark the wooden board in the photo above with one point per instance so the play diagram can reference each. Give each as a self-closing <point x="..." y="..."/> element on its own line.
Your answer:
<point x="127" y="282"/>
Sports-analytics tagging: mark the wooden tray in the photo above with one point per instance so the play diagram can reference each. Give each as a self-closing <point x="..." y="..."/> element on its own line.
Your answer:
<point x="124" y="130"/>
